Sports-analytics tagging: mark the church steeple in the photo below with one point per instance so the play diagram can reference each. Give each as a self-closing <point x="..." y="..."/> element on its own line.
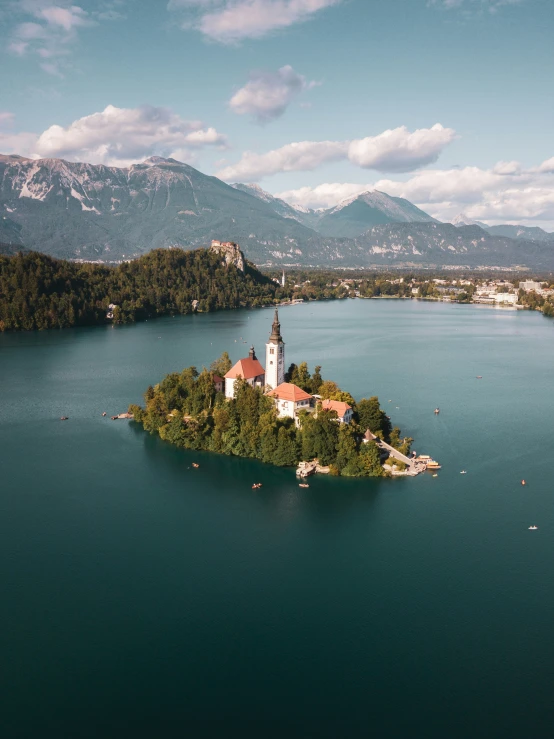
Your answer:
<point x="275" y="355"/>
<point x="276" y="329"/>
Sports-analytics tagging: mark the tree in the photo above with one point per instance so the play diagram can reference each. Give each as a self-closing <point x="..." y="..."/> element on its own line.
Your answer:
<point x="370" y="416"/>
<point x="346" y="446"/>
<point x="370" y="460"/>
<point x="328" y="388"/>
<point x="300" y="376"/>
<point x="285" y="453"/>
<point x="320" y="437"/>
<point x="316" y="380"/>
<point x="222" y="365"/>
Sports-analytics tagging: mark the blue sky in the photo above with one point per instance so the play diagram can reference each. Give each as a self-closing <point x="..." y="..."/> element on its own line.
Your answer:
<point x="448" y="103"/>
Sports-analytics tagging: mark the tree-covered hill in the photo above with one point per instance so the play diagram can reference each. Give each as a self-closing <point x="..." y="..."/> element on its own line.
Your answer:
<point x="39" y="292"/>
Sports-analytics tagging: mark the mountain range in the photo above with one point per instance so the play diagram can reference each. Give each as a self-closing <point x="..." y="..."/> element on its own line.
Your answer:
<point x="94" y="212"/>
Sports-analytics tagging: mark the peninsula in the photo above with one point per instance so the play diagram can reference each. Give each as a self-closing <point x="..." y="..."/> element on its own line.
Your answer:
<point x="282" y="417"/>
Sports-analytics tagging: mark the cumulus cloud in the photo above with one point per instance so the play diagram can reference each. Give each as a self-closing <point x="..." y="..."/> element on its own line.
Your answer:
<point x="119" y="137"/>
<point x="49" y="31"/>
<point x="302" y="155"/>
<point x="547" y="166"/>
<point x="267" y="95"/>
<point x="230" y="21"/>
<point x="325" y="195"/>
<point x="397" y="150"/>
<point x="496" y="195"/>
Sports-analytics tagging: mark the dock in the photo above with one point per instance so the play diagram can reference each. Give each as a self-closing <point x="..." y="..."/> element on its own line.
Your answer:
<point x="414" y="466"/>
<point x="305" y="469"/>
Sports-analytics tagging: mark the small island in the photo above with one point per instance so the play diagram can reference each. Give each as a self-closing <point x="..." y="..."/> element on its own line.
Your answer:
<point x="280" y="417"/>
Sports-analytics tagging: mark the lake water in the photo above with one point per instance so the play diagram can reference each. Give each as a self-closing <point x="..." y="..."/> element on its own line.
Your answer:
<point x="143" y="598"/>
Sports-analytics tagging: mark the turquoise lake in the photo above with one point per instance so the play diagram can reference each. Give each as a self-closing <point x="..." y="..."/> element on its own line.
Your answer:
<point x="144" y="598"/>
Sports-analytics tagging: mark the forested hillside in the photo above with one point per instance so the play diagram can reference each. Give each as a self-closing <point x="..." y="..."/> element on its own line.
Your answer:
<point x="38" y="292"/>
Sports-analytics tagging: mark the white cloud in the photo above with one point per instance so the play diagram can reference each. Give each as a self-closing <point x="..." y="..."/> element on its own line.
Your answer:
<point x="66" y="18"/>
<point x="392" y="151"/>
<point x="512" y="167"/>
<point x="473" y="7"/>
<point x="325" y="195"/>
<point x="268" y="94"/>
<point x="303" y="155"/>
<point x="230" y="21"/>
<point x="496" y="195"/>
<point x="49" y="29"/>
<point x="547" y="166"/>
<point x="118" y="137"/>
<point x="398" y="150"/>
<point x="6" y="118"/>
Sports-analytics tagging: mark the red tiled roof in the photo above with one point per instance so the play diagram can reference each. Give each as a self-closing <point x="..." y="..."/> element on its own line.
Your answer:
<point x="288" y="391"/>
<point x="217" y="378"/>
<point x="247" y="369"/>
<point x="336" y="405"/>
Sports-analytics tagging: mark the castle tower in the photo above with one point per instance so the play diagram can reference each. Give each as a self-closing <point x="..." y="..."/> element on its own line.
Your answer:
<point x="275" y="356"/>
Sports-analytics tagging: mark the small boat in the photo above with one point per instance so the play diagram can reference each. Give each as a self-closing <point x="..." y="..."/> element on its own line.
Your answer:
<point x="523" y="482"/>
<point x="256" y="485"/>
<point x="463" y="472"/>
<point x="479" y="377"/>
<point x="104" y="414"/>
<point x="195" y="465"/>
<point x="437" y="411"/>
<point x="64" y="418"/>
<point x="533" y="528"/>
<point x="114" y="418"/>
<point x="303" y="485"/>
<point x="435" y="475"/>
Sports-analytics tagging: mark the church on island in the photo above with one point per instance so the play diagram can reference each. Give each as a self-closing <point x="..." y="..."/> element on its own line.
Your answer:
<point x="289" y="399"/>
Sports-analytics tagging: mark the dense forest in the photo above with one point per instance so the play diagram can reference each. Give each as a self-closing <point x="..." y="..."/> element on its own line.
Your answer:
<point x="185" y="410"/>
<point x="39" y="292"/>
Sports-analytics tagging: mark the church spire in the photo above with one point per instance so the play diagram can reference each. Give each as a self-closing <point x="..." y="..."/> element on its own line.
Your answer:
<point x="275" y="355"/>
<point x="275" y="337"/>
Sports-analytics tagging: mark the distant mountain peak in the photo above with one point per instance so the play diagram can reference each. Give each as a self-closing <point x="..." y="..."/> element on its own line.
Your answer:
<point x="155" y="160"/>
<point x="360" y="212"/>
<point x="253" y="189"/>
<point x="462" y="219"/>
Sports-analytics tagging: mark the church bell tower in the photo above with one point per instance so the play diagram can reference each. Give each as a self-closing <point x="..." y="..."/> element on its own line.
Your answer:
<point x="275" y="356"/>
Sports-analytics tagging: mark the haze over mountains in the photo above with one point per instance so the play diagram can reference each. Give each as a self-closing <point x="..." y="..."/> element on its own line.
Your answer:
<point x="77" y="210"/>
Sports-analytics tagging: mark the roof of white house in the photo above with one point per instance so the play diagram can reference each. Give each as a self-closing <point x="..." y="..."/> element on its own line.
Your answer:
<point x="288" y="391"/>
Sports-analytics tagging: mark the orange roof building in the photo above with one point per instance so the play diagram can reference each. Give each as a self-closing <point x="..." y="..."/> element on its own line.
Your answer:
<point x="249" y="369"/>
<point x="288" y="391"/>
<point x="343" y="410"/>
<point x="289" y="399"/>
